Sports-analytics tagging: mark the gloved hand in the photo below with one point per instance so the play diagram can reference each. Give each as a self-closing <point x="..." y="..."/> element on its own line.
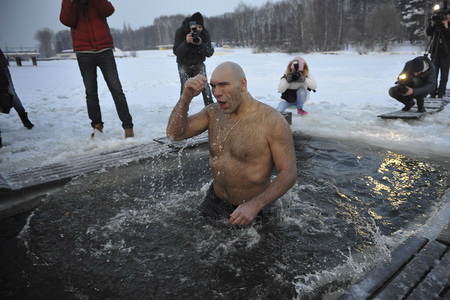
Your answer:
<point x="289" y="77"/>
<point x="301" y="78"/>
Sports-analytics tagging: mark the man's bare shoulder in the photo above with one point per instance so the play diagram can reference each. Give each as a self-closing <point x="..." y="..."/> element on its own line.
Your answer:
<point x="269" y="113"/>
<point x="212" y="110"/>
<point x="273" y="123"/>
<point x="214" y="107"/>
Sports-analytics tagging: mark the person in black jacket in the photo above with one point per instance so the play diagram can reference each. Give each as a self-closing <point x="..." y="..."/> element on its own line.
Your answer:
<point x="192" y="46"/>
<point x="4" y="92"/>
<point x="17" y="104"/>
<point x="417" y="80"/>
<point x="440" y="53"/>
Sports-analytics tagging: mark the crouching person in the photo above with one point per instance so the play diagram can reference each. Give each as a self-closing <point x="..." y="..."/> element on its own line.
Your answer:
<point x="295" y="85"/>
<point x="416" y="81"/>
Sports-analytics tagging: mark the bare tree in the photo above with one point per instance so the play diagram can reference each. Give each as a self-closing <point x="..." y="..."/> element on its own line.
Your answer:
<point x="165" y="28"/>
<point x="45" y="37"/>
<point x="383" y="33"/>
<point x="63" y="41"/>
<point x="286" y="25"/>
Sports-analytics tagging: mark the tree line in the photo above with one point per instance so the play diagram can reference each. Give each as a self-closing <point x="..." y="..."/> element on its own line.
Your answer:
<point x="287" y="25"/>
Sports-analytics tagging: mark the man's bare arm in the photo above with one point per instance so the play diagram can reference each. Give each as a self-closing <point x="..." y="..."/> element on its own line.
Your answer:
<point x="181" y="125"/>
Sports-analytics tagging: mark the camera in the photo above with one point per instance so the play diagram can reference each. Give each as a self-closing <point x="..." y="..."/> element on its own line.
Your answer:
<point x="439" y="14"/>
<point x="403" y="80"/>
<point x="296" y="75"/>
<point x="196" y="39"/>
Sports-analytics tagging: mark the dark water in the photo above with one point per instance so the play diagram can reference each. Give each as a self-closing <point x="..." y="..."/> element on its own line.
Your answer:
<point x="133" y="232"/>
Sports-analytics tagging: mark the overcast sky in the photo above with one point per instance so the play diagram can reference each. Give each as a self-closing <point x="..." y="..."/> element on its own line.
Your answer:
<point x="20" y="19"/>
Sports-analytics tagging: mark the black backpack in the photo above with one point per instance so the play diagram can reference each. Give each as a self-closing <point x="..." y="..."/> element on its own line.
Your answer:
<point x="290" y="96"/>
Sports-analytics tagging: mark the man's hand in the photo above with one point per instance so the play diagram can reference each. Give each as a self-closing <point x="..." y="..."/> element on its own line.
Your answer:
<point x="301" y="78"/>
<point x="244" y="214"/>
<point x="189" y="38"/>
<point x="194" y="86"/>
<point x="289" y="77"/>
<point x="409" y="92"/>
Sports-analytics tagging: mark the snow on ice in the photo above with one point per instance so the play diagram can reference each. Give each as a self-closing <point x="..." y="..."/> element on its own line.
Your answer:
<point x="352" y="91"/>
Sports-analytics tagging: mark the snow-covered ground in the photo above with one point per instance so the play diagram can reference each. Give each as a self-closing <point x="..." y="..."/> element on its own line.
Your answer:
<point x="352" y="91"/>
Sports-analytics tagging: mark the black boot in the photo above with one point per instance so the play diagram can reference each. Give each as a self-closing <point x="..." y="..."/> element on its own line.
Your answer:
<point x="25" y="121"/>
<point x="420" y="105"/>
<point x="408" y="105"/>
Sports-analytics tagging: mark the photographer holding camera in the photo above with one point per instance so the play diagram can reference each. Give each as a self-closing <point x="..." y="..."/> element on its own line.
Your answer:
<point x="417" y="80"/>
<point x="439" y="45"/>
<point x="295" y="85"/>
<point x="191" y="47"/>
<point x="93" y="44"/>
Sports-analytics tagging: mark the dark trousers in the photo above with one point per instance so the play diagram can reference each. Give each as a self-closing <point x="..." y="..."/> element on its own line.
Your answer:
<point x="88" y="63"/>
<point x="442" y="65"/>
<point x="214" y="208"/>
<point x="188" y="71"/>
<point x="17" y="104"/>
<point x="406" y="99"/>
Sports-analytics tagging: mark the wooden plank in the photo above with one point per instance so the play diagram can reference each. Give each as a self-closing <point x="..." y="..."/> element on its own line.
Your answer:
<point x="435" y="283"/>
<point x="287" y="116"/>
<point x="79" y="166"/>
<point x="411" y="115"/>
<point x="19" y="55"/>
<point x="432" y="106"/>
<point x="374" y="280"/>
<point x="400" y="286"/>
<point x="4" y="186"/>
<point x="444" y="236"/>
<point x="18" y="60"/>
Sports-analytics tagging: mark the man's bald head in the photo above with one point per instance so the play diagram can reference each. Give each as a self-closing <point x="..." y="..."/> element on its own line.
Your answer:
<point x="229" y="72"/>
<point x="232" y="67"/>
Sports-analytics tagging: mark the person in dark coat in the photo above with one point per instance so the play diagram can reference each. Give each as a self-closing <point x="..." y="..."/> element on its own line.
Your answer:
<point x="4" y="91"/>
<point x="192" y="46"/>
<point x="416" y="81"/>
<point x="17" y="104"/>
<point x="440" y="52"/>
<point x="93" y="44"/>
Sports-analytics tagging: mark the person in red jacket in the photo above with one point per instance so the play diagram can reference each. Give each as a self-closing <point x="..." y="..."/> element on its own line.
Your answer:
<point x="93" y="44"/>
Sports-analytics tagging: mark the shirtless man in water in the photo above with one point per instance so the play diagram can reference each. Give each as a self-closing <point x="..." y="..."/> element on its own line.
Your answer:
<point x="247" y="140"/>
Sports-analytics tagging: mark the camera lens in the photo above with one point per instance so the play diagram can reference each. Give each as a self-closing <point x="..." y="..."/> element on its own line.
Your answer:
<point x="197" y="40"/>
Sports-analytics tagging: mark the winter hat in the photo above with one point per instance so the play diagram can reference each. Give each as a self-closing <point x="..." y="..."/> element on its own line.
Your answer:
<point x="417" y="65"/>
<point x="198" y="18"/>
<point x="301" y="63"/>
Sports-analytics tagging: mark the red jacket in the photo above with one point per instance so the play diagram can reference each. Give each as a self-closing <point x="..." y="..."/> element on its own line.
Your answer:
<point x="88" y="25"/>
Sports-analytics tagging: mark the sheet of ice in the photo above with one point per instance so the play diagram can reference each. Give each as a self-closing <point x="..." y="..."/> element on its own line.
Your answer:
<point x="352" y="91"/>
